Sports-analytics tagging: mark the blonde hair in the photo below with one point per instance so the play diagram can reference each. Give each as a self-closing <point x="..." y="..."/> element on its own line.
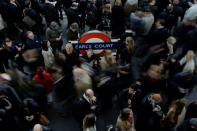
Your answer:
<point x="107" y="8"/>
<point x="190" y="55"/>
<point x="130" y="43"/>
<point x="118" y="3"/>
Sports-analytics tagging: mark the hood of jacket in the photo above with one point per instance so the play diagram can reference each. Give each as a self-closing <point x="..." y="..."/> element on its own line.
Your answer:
<point x="54" y="26"/>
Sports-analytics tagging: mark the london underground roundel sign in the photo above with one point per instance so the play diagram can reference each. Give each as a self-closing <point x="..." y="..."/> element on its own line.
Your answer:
<point x="94" y="37"/>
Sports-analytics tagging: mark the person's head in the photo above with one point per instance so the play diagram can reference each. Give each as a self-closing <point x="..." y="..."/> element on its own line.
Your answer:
<point x="74" y="27"/>
<point x="89" y="53"/>
<point x="107" y="8"/>
<point x="7" y="44"/>
<point x="118" y="3"/>
<point x="54" y="26"/>
<point x="108" y="56"/>
<point x="156" y="97"/>
<point x="37" y="127"/>
<point x="154" y="72"/>
<point x="171" y="40"/>
<point x="74" y="5"/>
<point x="40" y="70"/>
<point x="89" y="93"/>
<point x="126" y="114"/>
<point x="132" y="88"/>
<point x="130" y="44"/>
<point x="190" y="55"/>
<point x="30" y="35"/>
<point x="174" y="111"/>
<point x="89" y="120"/>
<point x="69" y="48"/>
<point x="27" y="2"/>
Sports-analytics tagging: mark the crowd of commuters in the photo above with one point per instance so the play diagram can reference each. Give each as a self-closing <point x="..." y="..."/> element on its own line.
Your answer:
<point x="153" y="69"/>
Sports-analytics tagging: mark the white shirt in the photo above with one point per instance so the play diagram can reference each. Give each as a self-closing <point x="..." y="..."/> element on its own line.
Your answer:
<point x="48" y="57"/>
<point x="189" y="65"/>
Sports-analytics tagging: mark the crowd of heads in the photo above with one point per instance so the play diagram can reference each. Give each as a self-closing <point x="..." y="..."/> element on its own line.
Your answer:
<point x="150" y="73"/>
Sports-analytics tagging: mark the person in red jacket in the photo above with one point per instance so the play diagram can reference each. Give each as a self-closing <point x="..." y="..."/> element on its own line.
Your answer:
<point x="45" y="79"/>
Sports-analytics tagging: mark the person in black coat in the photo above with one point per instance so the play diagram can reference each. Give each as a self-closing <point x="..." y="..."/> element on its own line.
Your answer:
<point x="6" y="54"/>
<point x="92" y="15"/>
<point x="8" y="111"/>
<point x="32" y="41"/>
<point x="64" y="88"/>
<point x="50" y="13"/>
<point x="159" y="34"/>
<point x="130" y="97"/>
<point x="173" y="13"/>
<point x="73" y="32"/>
<point x="191" y="40"/>
<point x="71" y="59"/>
<point x="64" y="92"/>
<point x="13" y="18"/>
<point x="33" y="4"/>
<point x="84" y="105"/>
<point x="150" y="113"/>
<point x="35" y="10"/>
<point x="118" y="17"/>
<point x="72" y="14"/>
<point x="59" y="6"/>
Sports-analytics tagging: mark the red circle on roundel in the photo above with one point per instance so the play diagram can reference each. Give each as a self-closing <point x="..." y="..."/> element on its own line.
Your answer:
<point x="90" y="35"/>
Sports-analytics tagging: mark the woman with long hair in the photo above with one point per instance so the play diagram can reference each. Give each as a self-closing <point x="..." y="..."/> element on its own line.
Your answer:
<point x="125" y="120"/>
<point x="89" y="122"/>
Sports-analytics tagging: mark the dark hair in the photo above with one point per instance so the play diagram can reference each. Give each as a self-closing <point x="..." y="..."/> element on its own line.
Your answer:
<point x="89" y="120"/>
<point x="175" y="110"/>
<point x="44" y="45"/>
<point x="7" y="39"/>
